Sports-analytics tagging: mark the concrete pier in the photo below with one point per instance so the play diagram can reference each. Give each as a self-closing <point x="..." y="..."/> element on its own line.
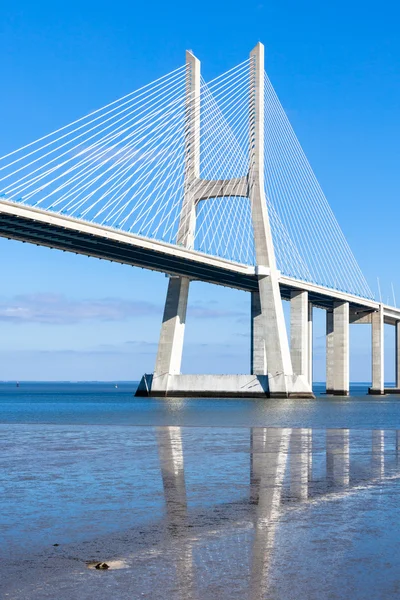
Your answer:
<point x="170" y="346"/>
<point x="396" y="388"/>
<point x="299" y="333"/>
<point x="272" y="373"/>
<point x="204" y="386"/>
<point x="279" y="365"/>
<point x="377" y="352"/>
<point x="329" y="352"/>
<point x="341" y="348"/>
<point x="397" y="359"/>
<point x="310" y="344"/>
<point x="258" y="362"/>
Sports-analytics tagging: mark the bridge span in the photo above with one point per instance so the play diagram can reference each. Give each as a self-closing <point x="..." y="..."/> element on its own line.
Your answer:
<point x="41" y="227"/>
<point x="208" y="182"/>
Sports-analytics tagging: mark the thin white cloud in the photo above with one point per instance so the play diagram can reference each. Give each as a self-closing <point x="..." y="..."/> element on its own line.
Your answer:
<point x="56" y="309"/>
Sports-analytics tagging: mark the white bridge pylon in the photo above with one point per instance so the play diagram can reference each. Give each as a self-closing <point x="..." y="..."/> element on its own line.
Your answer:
<point x="272" y="370"/>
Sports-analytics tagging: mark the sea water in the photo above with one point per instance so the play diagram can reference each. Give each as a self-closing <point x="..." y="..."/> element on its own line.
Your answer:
<point x="197" y="498"/>
<point x="115" y="404"/>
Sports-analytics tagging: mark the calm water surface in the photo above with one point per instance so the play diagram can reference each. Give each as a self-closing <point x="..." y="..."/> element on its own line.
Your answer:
<point x="105" y="404"/>
<point x="197" y="499"/>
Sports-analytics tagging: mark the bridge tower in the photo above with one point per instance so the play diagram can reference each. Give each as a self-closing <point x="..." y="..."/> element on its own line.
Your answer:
<point x="271" y="363"/>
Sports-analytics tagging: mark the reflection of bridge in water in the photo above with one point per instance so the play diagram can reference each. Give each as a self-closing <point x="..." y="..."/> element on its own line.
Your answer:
<point x="289" y="468"/>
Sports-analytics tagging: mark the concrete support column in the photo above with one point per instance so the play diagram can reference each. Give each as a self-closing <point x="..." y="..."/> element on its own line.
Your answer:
<point x="299" y="335"/>
<point x="258" y="361"/>
<point x="397" y="359"/>
<point x="377" y="351"/>
<point x="279" y="364"/>
<point x="337" y="458"/>
<point x="341" y="348"/>
<point x="329" y="351"/>
<point x="187" y="222"/>
<point x="170" y="346"/>
<point x="310" y="344"/>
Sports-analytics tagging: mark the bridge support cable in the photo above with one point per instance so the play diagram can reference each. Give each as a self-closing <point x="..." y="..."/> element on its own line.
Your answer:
<point x="124" y="166"/>
<point x="294" y="191"/>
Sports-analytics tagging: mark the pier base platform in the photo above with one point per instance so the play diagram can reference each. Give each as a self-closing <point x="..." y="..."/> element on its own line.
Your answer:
<point x="390" y="390"/>
<point x="212" y="386"/>
<point x="376" y="392"/>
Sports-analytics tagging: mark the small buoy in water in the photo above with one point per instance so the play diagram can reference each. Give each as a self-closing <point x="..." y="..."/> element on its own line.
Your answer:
<point x="115" y="386"/>
<point x="102" y="566"/>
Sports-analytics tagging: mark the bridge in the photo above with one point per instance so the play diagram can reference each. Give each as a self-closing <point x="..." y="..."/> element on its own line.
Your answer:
<point x="204" y="181"/>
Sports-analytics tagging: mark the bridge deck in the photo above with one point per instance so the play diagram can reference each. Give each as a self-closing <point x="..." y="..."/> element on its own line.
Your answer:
<point x="44" y="228"/>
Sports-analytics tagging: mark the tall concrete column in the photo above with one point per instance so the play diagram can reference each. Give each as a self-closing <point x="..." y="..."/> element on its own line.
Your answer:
<point x="377" y="351"/>
<point x="187" y="223"/>
<point x="170" y="347"/>
<point x="299" y="334"/>
<point x="341" y="354"/>
<point x="310" y="344"/>
<point x="279" y="365"/>
<point x="397" y="357"/>
<point x="329" y="351"/>
<point x="258" y="361"/>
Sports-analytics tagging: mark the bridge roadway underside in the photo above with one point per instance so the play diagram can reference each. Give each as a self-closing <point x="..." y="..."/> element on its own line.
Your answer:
<point x="99" y="246"/>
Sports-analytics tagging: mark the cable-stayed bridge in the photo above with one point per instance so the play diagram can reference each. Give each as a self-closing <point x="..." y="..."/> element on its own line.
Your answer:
<point x="204" y="181"/>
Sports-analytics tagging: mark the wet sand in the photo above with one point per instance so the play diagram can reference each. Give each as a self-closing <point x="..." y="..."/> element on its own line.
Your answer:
<point x="201" y="513"/>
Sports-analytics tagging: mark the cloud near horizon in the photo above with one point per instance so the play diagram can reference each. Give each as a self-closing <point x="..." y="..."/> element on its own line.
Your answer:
<point x="57" y="309"/>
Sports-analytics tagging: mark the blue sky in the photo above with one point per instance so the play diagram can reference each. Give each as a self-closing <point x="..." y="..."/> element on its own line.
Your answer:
<point x="336" y="69"/>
